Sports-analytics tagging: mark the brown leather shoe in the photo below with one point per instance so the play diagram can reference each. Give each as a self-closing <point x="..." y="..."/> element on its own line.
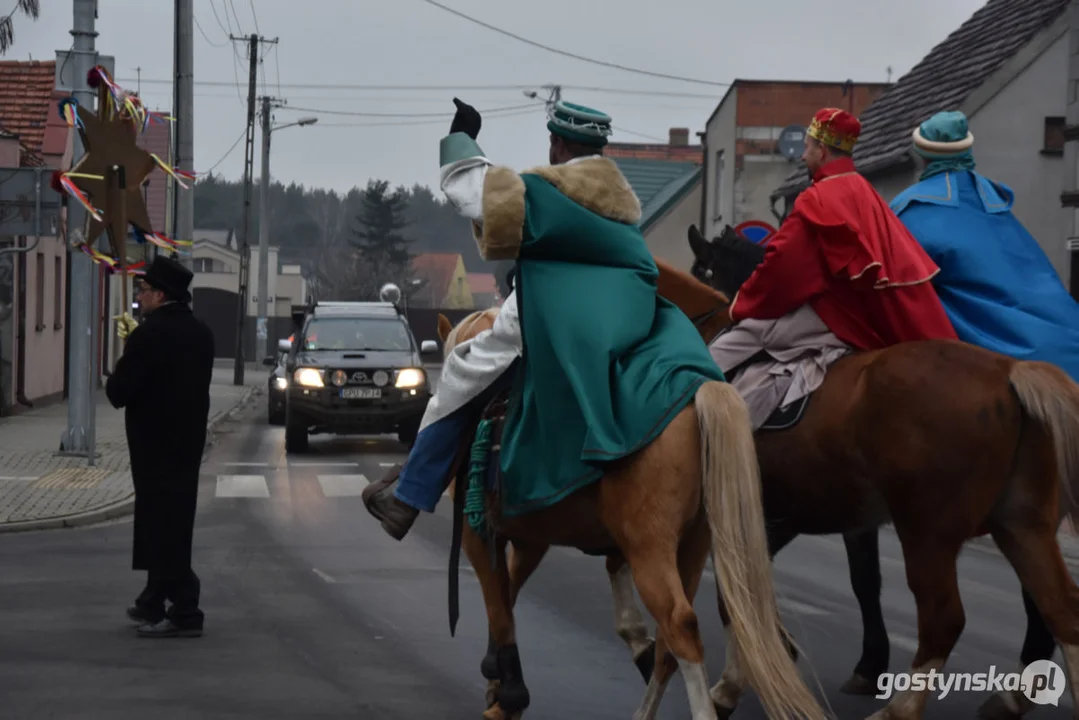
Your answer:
<point x="396" y="516"/>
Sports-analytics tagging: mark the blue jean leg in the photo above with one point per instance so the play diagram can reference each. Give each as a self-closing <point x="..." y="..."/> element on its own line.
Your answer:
<point x="425" y="475"/>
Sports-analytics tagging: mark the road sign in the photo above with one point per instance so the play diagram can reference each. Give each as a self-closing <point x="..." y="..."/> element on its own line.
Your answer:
<point x="18" y="199"/>
<point x="755" y="231"/>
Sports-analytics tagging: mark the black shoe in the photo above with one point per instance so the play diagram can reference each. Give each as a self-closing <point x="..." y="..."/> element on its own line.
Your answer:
<point x="143" y="616"/>
<point x="166" y="629"/>
<point x="396" y="516"/>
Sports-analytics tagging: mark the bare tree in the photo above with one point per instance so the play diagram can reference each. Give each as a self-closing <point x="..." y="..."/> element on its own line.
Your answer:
<point x="30" y="8"/>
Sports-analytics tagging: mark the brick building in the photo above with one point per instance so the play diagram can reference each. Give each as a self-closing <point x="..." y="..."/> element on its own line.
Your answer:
<point x="743" y="163"/>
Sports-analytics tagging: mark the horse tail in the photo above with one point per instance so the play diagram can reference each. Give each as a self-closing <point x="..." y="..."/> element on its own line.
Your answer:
<point x="732" y="498"/>
<point x="1050" y="397"/>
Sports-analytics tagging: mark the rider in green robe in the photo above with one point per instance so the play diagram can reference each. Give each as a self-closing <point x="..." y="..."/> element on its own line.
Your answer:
<point x="598" y="362"/>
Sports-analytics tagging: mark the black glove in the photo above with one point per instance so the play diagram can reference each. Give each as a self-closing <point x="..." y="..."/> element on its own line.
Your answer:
<point x="467" y="120"/>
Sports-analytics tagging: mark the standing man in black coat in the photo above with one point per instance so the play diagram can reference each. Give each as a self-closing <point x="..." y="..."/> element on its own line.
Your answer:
<point x="163" y="382"/>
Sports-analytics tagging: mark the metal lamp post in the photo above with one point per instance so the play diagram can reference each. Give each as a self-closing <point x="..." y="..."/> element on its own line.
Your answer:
<point x="261" y="331"/>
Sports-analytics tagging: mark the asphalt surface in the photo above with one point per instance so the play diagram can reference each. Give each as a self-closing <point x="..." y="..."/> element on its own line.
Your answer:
<point x="313" y="612"/>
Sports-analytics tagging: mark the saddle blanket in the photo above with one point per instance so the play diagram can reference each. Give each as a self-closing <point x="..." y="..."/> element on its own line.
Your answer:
<point x="773" y="363"/>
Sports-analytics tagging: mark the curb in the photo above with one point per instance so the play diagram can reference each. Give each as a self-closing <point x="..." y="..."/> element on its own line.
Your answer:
<point x="126" y="506"/>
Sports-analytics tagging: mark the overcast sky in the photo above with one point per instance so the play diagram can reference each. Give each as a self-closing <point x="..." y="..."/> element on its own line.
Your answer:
<point x="404" y="43"/>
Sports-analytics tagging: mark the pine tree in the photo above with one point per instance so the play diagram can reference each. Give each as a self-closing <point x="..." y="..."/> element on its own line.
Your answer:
<point x="379" y="239"/>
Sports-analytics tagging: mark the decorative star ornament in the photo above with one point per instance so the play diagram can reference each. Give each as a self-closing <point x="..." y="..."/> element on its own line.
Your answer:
<point x="110" y="141"/>
<point x="109" y="137"/>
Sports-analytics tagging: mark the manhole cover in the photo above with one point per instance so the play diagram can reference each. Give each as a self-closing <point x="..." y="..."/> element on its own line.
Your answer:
<point x="72" y="478"/>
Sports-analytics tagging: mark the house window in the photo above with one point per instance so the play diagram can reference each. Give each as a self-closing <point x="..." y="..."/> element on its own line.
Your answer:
<point x="39" y="315"/>
<point x="57" y="293"/>
<point x="717" y="198"/>
<point x="202" y="265"/>
<point x="1054" y="135"/>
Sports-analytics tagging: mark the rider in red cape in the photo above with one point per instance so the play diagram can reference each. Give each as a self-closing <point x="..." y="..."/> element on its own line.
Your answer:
<point x="846" y="254"/>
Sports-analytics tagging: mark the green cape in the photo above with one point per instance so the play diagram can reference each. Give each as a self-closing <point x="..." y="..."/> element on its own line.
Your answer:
<point x="607" y="363"/>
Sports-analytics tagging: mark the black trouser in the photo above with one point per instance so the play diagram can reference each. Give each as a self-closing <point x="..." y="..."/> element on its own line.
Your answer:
<point x="182" y="589"/>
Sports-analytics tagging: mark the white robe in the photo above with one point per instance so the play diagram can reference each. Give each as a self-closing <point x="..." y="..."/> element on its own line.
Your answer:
<point x="473" y="365"/>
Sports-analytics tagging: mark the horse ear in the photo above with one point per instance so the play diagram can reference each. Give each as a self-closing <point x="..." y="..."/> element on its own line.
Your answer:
<point x="697" y="243"/>
<point x="445" y="327"/>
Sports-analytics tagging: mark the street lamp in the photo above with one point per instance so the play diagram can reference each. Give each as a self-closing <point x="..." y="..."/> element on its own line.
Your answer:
<point x="261" y="331"/>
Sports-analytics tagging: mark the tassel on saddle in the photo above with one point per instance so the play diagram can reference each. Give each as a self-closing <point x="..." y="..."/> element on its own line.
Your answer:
<point x="482" y="500"/>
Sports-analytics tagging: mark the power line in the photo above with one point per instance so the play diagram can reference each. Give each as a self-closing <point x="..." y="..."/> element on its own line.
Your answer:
<point x="213" y="7"/>
<point x="414" y="115"/>
<point x="227" y="152"/>
<point x="446" y="88"/>
<point x="440" y="121"/>
<point x="565" y="53"/>
<point x="203" y="32"/>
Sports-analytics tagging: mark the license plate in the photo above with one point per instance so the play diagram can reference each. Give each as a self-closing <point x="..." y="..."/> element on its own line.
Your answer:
<point x="361" y="393"/>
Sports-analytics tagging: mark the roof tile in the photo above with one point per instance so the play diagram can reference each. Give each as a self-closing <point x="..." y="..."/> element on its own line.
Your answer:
<point x="26" y="99"/>
<point x="943" y="80"/>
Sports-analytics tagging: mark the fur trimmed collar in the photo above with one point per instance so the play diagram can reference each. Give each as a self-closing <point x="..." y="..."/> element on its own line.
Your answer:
<point x="597" y="184"/>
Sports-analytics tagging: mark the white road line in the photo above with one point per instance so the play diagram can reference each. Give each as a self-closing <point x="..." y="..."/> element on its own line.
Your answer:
<point x="26" y="478"/>
<point x="342" y="485"/>
<point x="386" y="464"/>
<point x="907" y="643"/>
<point x="323" y="464"/>
<point x="242" y="486"/>
<point x="246" y="464"/>
<point x="329" y="579"/>
<point x="800" y="608"/>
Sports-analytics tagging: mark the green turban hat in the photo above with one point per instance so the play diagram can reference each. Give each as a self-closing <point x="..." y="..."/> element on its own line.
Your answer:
<point x="946" y="142"/>
<point x="579" y="124"/>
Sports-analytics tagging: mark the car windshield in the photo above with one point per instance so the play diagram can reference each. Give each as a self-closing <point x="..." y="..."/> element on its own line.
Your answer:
<point x="356" y="334"/>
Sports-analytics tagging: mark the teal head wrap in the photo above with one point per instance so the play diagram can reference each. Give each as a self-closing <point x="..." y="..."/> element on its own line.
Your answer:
<point x="579" y="124"/>
<point x="945" y="141"/>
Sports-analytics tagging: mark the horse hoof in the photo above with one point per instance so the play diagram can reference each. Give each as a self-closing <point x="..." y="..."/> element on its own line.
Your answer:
<point x="646" y="662"/>
<point x="723" y="713"/>
<point x="996" y="709"/>
<point x="497" y="713"/>
<point x="859" y="685"/>
<point x="492" y="690"/>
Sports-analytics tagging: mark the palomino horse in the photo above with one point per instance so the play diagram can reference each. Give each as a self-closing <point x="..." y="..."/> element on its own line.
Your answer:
<point x="947" y="442"/>
<point x="694" y="488"/>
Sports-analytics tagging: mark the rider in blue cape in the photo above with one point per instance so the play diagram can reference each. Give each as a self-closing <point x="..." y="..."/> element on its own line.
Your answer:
<point x="598" y="362"/>
<point x="997" y="285"/>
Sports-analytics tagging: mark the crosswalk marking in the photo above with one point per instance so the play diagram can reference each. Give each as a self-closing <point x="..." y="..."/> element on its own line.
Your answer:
<point x="342" y="485"/>
<point x="242" y="486"/>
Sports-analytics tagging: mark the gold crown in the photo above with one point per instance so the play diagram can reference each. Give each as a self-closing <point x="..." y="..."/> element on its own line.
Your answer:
<point x="824" y="134"/>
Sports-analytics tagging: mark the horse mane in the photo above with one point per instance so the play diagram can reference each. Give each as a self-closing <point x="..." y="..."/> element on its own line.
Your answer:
<point x="740" y="257"/>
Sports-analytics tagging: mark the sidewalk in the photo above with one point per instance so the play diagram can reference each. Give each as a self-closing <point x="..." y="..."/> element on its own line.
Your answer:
<point x="39" y="489"/>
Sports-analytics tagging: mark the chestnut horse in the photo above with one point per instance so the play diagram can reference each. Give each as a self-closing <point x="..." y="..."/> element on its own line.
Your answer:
<point x="694" y="488"/>
<point x="947" y="441"/>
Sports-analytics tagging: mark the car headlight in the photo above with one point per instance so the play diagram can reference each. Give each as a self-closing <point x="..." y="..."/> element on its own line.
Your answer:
<point x="308" y="377"/>
<point x="409" y="378"/>
<point x="280" y="383"/>
<point x="339" y="378"/>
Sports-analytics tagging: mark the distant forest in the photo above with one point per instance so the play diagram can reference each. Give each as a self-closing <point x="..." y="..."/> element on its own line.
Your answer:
<point x="345" y="241"/>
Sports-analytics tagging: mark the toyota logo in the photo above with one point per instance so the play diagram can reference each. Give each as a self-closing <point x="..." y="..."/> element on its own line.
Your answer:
<point x="359" y="377"/>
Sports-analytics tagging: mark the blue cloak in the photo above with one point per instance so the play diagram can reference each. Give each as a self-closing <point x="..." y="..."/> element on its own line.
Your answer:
<point x="999" y="289"/>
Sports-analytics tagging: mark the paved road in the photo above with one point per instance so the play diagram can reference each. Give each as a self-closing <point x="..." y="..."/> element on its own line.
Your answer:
<point x="313" y="612"/>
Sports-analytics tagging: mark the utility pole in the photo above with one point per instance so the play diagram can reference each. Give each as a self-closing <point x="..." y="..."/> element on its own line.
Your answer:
<point x="261" y="331"/>
<point x="78" y="438"/>
<point x="1070" y="196"/>
<point x="183" y="219"/>
<point x="245" y="248"/>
